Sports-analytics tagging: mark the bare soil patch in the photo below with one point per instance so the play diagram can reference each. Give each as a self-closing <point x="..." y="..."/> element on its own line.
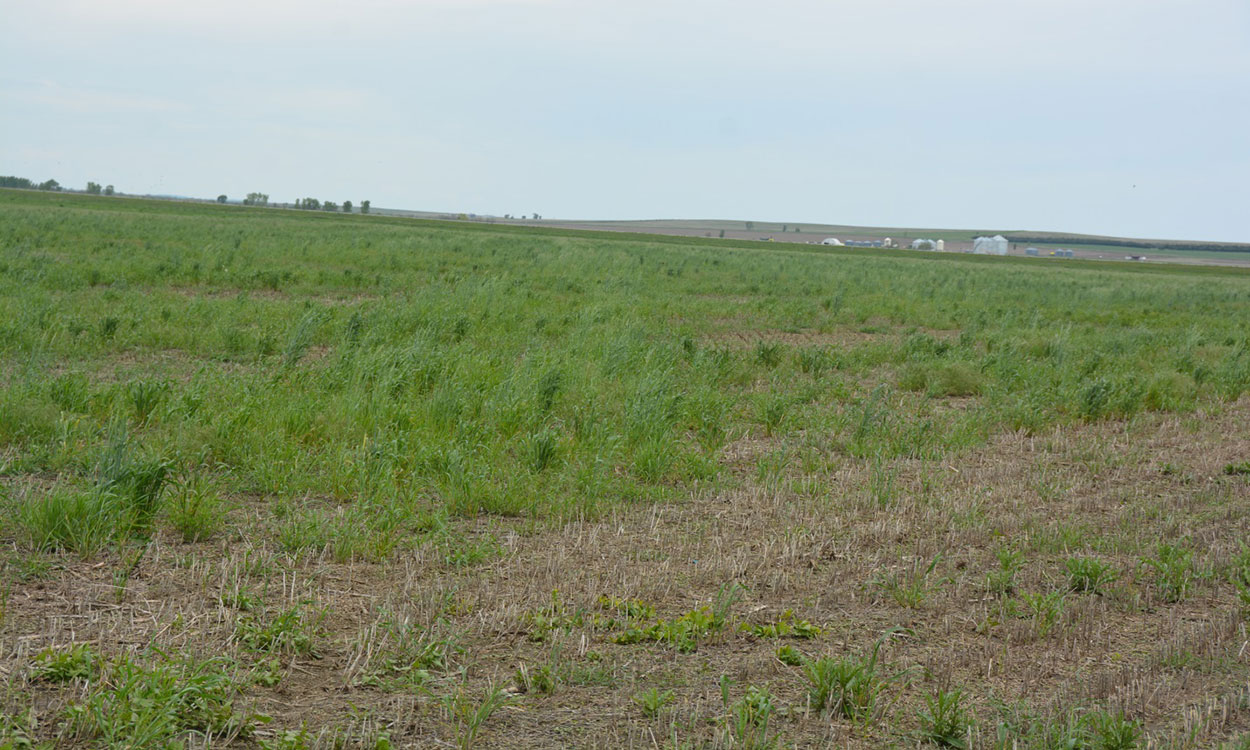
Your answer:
<point x="826" y="552"/>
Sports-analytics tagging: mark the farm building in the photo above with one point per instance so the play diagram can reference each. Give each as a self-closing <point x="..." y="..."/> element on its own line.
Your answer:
<point x="1030" y="251"/>
<point x="923" y="244"/>
<point x="996" y="245"/>
<point x="831" y="241"/>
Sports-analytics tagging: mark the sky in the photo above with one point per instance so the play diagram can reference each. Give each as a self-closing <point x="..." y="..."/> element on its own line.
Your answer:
<point x="1122" y="117"/>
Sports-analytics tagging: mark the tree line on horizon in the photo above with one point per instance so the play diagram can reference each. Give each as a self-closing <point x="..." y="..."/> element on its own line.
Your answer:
<point x="252" y="199"/>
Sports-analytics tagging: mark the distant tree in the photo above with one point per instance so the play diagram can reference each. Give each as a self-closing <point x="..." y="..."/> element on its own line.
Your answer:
<point x="93" y="188"/>
<point x="256" y="199"/>
<point x="537" y="217"/>
<point x="347" y="207"/>
<point x="784" y="229"/>
<point x="796" y="230"/>
<point x="722" y="234"/>
<point x="309" y="204"/>
<point x="10" y="181"/>
<point x="222" y="198"/>
<point x="329" y="206"/>
<point x="750" y="226"/>
<point x="364" y="207"/>
<point x="50" y="185"/>
<point x="108" y="190"/>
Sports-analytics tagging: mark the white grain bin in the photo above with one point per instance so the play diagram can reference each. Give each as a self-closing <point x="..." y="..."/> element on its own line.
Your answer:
<point x="996" y="245"/>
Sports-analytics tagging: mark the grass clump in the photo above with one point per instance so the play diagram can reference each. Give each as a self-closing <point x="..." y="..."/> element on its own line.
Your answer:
<point x="468" y="714"/>
<point x="404" y="656"/>
<point x="1239" y="468"/>
<point x="652" y="700"/>
<point x="1172" y="569"/>
<point x="195" y="508"/>
<point x="909" y="588"/>
<point x="77" y="662"/>
<point x="160" y="704"/>
<point x="684" y="633"/>
<point x="291" y="632"/>
<point x="120" y="505"/>
<point x="1002" y="580"/>
<point x="67" y="519"/>
<point x="786" y="626"/>
<point x="850" y="686"/>
<point x="749" y="717"/>
<point x="944" y="720"/>
<point x="1088" y="575"/>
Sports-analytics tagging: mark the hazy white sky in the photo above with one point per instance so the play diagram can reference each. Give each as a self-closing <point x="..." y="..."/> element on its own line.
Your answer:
<point x="1127" y="117"/>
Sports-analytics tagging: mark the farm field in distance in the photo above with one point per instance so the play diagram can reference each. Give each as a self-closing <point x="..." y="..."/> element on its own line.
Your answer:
<point x="286" y="479"/>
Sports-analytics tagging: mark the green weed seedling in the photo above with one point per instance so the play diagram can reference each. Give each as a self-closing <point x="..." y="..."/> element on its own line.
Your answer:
<point x="911" y="588"/>
<point x="1240" y="468"/>
<point x="944" y="720"/>
<point x="468" y="714"/>
<point x="684" y="633"/>
<point x="541" y="679"/>
<point x="408" y="657"/>
<point x="749" y="717"/>
<point x="290" y="739"/>
<point x="850" y="686"/>
<point x="1098" y="730"/>
<point x="1046" y="610"/>
<point x="195" y="508"/>
<point x="1001" y="581"/>
<point x="292" y="632"/>
<point x="77" y="662"/>
<point x="789" y="655"/>
<point x="1239" y="575"/>
<point x="1172" y="566"/>
<point x="156" y="705"/>
<point x="652" y="700"/>
<point x="786" y="626"/>
<point x="543" y="623"/>
<point x="1088" y="575"/>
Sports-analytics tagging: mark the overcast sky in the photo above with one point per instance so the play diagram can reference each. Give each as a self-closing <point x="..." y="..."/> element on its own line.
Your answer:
<point x="1127" y="117"/>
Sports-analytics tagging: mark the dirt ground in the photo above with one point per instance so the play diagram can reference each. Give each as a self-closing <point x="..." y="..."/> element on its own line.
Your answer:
<point x="825" y="552"/>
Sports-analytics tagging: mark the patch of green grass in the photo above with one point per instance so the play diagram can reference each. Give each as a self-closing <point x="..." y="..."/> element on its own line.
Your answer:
<point x="469" y="714"/>
<point x="652" y="700"/>
<point x="292" y="632"/>
<point x="786" y="626"/>
<point x="910" y="588"/>
<point x="160" y="702"/>
<point x="944" y="720"/>
<point x="1088" y="575"/>
<point x="1172" y="569"/>
<point x="683" y="633"/>
<point x="1239" y="468"/>
<point x="749" y="719"/>
<point x="403" y="656"/>
<point x="195" y="508"/>
<point x="1002" y="580"/>
<point x="77" y="662"/>
<point x="850" y="686"/>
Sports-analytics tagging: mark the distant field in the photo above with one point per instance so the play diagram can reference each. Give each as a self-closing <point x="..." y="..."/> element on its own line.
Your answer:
<point x="957" y="240"/>
<point x="288" y="479"/>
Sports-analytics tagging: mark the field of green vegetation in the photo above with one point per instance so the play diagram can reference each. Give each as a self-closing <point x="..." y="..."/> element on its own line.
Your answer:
<point x="286" y="480"/>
